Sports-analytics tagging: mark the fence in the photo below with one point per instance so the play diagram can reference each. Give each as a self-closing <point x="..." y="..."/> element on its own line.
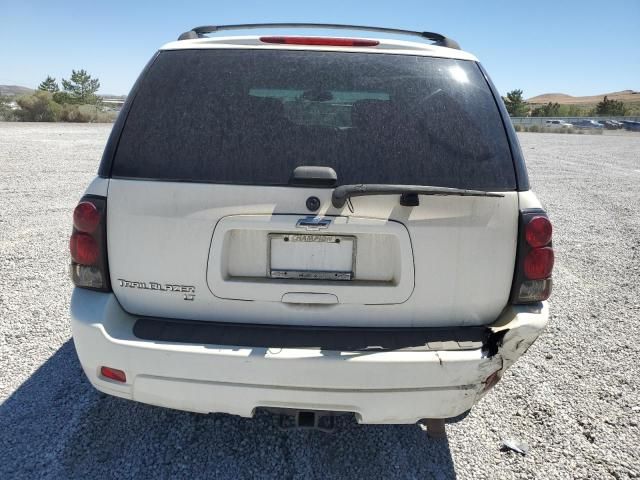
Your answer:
<point x="526" y="121"/>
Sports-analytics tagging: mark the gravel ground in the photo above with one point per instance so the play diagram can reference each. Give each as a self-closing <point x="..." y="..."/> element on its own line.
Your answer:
<point x="573" y="398"/>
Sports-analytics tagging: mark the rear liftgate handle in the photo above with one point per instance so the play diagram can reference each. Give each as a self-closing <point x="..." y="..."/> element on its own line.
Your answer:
<point x="310" y="298"/>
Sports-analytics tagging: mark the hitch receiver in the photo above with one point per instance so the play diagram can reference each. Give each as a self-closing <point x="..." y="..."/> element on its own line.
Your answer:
<point x="307" y="419"/>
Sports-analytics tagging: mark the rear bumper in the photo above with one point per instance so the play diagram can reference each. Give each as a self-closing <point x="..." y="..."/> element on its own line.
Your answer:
<point x="379" y="387"/>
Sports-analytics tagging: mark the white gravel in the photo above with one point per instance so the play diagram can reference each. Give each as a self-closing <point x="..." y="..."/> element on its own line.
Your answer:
<point x="573" y="399"/>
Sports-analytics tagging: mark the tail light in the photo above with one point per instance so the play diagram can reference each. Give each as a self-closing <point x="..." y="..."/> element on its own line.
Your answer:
<point x="534" y="264"/>
<point x="88" y="244"/>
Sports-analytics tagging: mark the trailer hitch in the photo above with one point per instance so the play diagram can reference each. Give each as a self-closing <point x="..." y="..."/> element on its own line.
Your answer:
<point x="288" y="419"/>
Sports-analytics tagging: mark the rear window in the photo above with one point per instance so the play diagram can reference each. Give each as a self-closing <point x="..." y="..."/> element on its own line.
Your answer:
<point x="251" y="116"/>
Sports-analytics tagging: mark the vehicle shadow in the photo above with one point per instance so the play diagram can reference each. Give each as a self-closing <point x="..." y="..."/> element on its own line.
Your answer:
<point x="55" y="425"/>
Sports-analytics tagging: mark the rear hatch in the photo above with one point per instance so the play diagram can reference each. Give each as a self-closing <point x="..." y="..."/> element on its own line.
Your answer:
<point x="205" y="223"/>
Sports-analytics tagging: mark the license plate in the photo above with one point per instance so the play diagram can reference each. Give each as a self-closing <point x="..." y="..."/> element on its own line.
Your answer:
<point x="311" y="257"/>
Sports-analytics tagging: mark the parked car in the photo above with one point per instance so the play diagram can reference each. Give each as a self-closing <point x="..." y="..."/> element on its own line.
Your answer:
<point x="587" y="124"/>
<point x="318" y="225"/>
<point x="612" y="124"/>
<point x="557" y="124"/>
<point x="631" y="125"/>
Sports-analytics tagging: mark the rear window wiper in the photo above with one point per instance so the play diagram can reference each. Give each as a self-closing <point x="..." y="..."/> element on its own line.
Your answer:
<point x="409" y="193"/>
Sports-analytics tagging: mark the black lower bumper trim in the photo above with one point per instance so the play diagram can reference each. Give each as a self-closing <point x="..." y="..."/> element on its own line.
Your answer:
<point x="323" y="338"/>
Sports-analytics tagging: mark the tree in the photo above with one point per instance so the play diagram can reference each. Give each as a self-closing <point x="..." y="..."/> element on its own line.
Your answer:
<point x="38" y="107"/>
<point x="516" y="106"/>
<point x="81" y="88"/>
<point x="62" y="98"/>
<point x="611" y="107"/>
<point x="49" y="85"/>
<point x="6" y="112"/>
<point x="548" y="110"/>
<point x="571" y="111"/>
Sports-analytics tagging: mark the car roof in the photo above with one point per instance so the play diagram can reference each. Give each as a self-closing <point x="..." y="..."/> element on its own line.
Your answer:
<point x="386" y="45"/>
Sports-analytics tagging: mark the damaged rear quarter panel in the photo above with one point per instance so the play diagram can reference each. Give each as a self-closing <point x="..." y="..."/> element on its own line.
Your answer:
<point x="515" y="331"/>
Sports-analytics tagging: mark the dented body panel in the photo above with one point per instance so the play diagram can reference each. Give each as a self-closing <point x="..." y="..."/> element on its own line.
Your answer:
<point x="379" y="387"/>
<point x="517" y="328"/>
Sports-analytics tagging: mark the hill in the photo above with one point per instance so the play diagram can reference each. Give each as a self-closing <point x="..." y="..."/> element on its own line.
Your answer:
<point x="14" y="90"/>
<point x="17" y="90"/>
<point x="626" y="96"/>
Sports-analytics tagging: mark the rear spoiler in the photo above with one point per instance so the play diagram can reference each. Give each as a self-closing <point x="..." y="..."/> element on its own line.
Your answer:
<point x="437" y="38"/>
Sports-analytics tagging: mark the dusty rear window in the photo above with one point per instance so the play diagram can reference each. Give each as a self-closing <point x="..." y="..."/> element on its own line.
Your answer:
<point x="252" y="116"/>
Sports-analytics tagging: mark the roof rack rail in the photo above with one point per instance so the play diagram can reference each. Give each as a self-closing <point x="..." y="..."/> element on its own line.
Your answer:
<point x="199" y="32"/>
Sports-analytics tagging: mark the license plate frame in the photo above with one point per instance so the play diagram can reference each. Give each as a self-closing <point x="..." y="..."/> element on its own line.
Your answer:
<point x="342" y="274"/>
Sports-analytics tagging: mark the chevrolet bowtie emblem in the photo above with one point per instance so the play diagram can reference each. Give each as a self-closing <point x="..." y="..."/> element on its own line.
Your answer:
<point x="313" y="223"/>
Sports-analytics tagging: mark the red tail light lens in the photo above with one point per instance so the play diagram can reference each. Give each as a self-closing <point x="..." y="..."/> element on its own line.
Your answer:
<point x="538" y="263"/>
<point x="532" y="278"/>
<point x="329" y="41"/>
<point x="88" y="244"/>
<point x="538" y="231"/>
<point x="84" y="248"/>
<point x="86" y="217"/>
<point x="113" y="374"/>
<point x="491" y="381"/>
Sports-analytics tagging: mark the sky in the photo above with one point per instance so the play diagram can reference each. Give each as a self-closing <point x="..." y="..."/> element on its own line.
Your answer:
<point x="578" y="47"/>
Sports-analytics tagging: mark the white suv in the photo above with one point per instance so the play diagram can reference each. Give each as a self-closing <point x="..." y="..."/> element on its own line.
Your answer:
<point x="310" y="224"/>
